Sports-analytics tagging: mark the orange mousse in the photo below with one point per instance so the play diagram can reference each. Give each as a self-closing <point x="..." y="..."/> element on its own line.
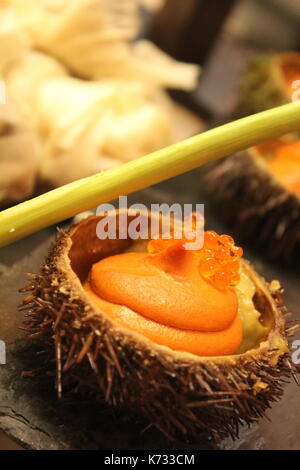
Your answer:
<point x="180" y="298"/>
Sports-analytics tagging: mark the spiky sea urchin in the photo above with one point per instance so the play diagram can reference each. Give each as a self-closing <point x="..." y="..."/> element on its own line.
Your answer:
<point x="255" y="205"/>
<point x="259" y="209"/>
<point x="181" y="394"/>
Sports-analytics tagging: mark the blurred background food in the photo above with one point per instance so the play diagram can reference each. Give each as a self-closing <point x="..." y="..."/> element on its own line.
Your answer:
<point x="250" y="27"/>
<point x="91" y="90"/>
<point x="88" y="93"/>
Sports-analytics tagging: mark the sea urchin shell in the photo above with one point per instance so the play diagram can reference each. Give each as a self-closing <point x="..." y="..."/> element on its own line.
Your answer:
<point x="255" y="205"/>
<point x="179" y="393"/>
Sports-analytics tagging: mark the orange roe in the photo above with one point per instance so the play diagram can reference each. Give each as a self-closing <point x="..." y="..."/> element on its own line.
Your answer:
<point x="218" y="258"/>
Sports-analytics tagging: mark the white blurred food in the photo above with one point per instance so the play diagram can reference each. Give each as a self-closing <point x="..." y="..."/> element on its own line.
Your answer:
<point x="91" y="97"/>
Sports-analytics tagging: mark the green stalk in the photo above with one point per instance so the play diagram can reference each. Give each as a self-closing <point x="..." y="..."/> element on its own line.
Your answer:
<point x="67" y="201"/>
